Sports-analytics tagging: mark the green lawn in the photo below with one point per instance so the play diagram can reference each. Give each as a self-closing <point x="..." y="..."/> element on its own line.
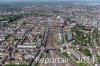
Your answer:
<point x="81" y="64"/>
<point x="65" y="54"/>
<point x="15" y="65"/>
<point x="86" y="52"/>
<point x="80" y="37"/>
<point x="98" y="57"/>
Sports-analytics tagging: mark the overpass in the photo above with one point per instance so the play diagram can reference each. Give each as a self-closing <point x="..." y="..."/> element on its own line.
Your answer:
<point x="51" y="48"/>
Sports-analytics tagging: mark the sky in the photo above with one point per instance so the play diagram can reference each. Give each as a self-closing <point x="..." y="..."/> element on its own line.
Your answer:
<point x="51" y="0"/>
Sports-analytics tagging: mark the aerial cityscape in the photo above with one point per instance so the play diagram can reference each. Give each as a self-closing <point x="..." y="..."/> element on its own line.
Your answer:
<point x="49" y="33"/>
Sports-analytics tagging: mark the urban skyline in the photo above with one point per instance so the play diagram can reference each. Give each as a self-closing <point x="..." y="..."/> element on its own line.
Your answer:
<point x="49" y="33"/>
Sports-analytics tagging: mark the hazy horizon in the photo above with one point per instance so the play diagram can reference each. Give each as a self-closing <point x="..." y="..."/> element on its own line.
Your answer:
<point x="56" y="0"/>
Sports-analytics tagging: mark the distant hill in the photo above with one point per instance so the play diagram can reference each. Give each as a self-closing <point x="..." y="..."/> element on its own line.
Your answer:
<point x="56" y="0"/>
<point x="53" y="1"/>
